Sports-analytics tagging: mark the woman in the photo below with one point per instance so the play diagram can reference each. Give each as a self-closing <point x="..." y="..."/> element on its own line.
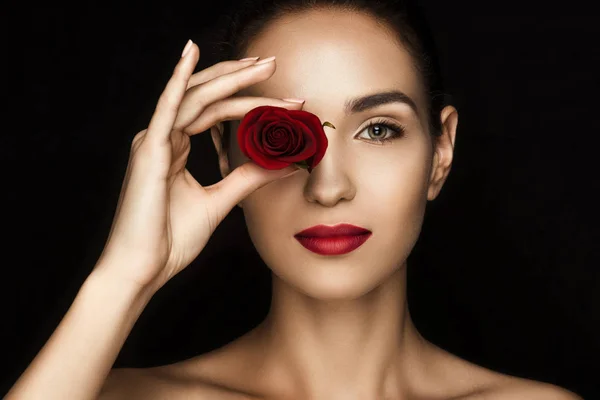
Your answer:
<point x="339" y="325"/>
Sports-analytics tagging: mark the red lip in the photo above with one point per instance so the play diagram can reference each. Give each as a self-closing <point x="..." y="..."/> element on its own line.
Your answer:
<point x="324" y="231"/>
<point x="333" y="240"/>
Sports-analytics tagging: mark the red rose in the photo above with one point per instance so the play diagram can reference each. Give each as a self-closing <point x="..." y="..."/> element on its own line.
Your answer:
<point x="275" y="137"/>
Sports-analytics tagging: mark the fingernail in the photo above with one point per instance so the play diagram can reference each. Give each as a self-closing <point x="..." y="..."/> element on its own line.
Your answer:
<point x="265" y="60"/>
<point x="187" y="48"/>
<point x="249" y="58"/>
<point x="294" y="100"/>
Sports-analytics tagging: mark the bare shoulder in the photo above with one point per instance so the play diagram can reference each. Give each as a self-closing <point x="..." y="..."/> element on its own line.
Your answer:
<point x="469" y="381"/>
<point x="513" y="388"/>
<point x="218" y="374"/>
<point x="163" y="382"/>
<point x="143" y="383"/>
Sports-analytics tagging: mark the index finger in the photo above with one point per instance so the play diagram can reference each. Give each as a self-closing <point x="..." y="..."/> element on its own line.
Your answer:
<point x="222" y="68"/>
<point x="165" y="114"/>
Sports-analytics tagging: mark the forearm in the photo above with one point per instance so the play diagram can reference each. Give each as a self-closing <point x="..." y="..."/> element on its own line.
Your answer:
<point x="77" y="358"/>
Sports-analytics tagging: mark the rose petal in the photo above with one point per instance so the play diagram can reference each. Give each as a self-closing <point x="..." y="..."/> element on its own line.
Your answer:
<point x="307" y="147"/>
<point x="318" y="134"/>
<point x="307" y="118"/>
<point x="271" y="149"/>
<point x="257" y="155"/>
<point x="250" y="119"/>
<point x="309" y="140"/>
<point x="299" y="141"/>
<point x="281" y="113"/>
<point x="270" y="135"/>
<point x="291" y="139"/>
<point x="321" y="147"/>
<point x="279" y="138"/>
<point x="252" y="143"/>
<point x="253" y="150"/>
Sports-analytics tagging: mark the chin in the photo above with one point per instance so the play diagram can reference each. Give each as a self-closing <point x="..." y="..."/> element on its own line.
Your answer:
<point x="334" y="282"/>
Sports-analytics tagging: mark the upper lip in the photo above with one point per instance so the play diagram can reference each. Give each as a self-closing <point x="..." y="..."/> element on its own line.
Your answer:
<point x="336" y="230"/>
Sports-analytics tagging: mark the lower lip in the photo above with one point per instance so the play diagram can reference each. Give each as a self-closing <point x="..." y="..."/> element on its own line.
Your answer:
<point x="330" y="246"/>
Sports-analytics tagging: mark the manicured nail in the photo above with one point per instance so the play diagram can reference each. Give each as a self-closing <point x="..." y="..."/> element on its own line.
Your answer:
<point x="249" y="58"/>
<point x="187" y="48"/>
<point x="266" y="60"/>
<point x="294" y="100"/>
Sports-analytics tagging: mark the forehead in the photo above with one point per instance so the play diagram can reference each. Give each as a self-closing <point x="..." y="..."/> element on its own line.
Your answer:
<point x="331" y="54"/>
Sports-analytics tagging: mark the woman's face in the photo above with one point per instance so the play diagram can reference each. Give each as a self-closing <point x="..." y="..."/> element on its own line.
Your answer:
<point x="328" y="58"/>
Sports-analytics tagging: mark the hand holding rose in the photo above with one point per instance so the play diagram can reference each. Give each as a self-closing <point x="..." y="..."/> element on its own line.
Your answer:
<point x="164" y="217"/>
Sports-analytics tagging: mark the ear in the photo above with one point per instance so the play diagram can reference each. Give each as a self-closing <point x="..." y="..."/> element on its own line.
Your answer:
<point x="217" y="132"/>
<point x="443" y="151"/>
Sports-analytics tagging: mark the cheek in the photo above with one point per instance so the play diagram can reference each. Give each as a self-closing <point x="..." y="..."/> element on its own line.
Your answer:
<point x="394" y="193"/>
<point x="400" y="184"/>
<point x="270" y="214"/>
<point x="397" y="175"/>
<point x="404" y="205"/>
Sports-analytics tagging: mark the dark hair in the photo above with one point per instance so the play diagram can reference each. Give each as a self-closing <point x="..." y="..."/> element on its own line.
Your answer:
<point x="405" y="17"/>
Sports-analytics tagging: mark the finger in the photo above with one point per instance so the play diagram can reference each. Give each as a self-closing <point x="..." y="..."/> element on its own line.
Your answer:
<point x="222" y="68"/>
<point x="242" y="181"/>
<point x="234" y="108"/>
<point x="167" y="108"/>
<point x="198" y="98"/>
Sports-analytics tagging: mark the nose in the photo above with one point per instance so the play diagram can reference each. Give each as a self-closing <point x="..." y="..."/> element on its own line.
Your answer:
<point x="329" y="182"/>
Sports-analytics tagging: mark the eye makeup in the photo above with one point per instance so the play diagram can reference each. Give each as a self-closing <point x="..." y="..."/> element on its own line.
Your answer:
<point x="395" y="130"/>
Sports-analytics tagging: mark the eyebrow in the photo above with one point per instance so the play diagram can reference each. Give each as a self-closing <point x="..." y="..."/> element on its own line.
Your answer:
<point x="364" y="103"/>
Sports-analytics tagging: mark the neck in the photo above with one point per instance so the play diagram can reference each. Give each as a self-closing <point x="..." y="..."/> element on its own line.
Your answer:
<point x="365" y="347"/>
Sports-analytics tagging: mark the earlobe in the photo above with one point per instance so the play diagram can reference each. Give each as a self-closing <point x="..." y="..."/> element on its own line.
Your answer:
<point x="444" y="151"/>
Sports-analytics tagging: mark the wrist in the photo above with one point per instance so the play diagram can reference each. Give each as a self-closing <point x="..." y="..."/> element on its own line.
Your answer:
<point x="101" y="279"/>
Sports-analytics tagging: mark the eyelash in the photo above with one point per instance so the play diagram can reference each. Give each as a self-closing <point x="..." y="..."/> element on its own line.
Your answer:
<point x="396" y="129"/>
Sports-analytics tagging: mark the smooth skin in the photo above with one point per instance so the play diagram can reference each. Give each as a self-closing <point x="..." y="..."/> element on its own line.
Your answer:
<point x="336" y="330"/>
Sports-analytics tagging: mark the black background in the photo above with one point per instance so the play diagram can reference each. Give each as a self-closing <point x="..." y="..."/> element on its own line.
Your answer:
<point x="505" y="273"/>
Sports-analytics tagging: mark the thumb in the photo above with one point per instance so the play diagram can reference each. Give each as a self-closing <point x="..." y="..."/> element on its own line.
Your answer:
<point x="244" y="180"/>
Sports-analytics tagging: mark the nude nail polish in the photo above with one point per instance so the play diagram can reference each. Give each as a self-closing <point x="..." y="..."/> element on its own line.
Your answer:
<point x="187" y="48"/>
<point x="266" y="60"/>
<point x="294" y="100"/>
